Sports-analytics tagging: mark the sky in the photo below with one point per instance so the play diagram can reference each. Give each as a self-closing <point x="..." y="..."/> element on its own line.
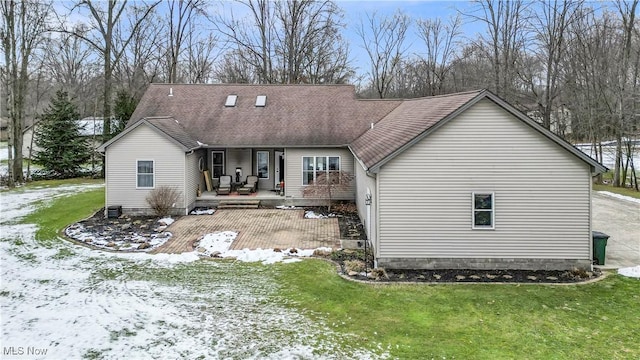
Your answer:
<point x="354" y="11"/>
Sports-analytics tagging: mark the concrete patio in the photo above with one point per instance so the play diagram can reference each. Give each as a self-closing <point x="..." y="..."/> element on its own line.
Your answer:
<point x="256" y="228"/>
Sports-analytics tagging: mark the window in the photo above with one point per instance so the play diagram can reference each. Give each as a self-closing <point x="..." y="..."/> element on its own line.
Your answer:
<point x="231" y="101"/>
<point x="313" y="166"/>
<point x="145" y="174"/>
<point x="217" y="164"/>
<point x="261" y="100"/>
<point x="483" y="211"/>
<point x="263" y="164"/>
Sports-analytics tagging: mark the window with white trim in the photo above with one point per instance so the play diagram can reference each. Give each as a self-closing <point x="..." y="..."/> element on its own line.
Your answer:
<point x="483" y="214"/>
<point x="217" y="164"/>
<point x="263" y="164"/>
<point x="313" y="166"/>
<point x="145" y="174"/>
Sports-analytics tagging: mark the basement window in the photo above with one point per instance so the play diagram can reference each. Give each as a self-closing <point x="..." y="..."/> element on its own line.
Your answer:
<point x="261" y="100"/>
<point x="231" y="101"/>
<point x="483" y="214"/>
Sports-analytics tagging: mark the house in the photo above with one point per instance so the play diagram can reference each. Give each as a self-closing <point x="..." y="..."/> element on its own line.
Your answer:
<point x="560" y="120"/>
<point x="90" y="128"/>
<point x="454" y="181"/>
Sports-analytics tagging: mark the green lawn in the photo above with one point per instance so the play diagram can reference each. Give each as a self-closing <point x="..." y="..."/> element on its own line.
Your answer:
<point x="617" y="190"/>
<point x="592" y="321"/>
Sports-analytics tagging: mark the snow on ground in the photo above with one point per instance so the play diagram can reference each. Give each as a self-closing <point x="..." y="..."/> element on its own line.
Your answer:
<point x="198" y="211"/>
<point x="218" y="244"/>
<point x="311" y="215"/>
<point x="73" y="302"/>
<point x="134" y="242"/>
<point x="618" y="196"/>
<point x="288" y="207"/>
<point x="630" y="271"/>
<point x="608" y="153"/>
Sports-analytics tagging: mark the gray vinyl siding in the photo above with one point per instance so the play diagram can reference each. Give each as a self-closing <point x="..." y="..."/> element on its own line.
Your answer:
<point x="542" y="193"/>
<point x="142" y="143"/>
<point x="293" y="169"/>
<point x="364" y="183"/>
<point x="238" y="158"/>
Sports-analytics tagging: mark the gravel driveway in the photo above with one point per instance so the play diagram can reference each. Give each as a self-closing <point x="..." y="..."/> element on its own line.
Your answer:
<point x="621" y="220"/>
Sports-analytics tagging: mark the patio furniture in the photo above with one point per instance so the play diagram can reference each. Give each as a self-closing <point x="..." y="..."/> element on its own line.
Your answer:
<point x="224" y="186"/>
<point x="250" y="186"/>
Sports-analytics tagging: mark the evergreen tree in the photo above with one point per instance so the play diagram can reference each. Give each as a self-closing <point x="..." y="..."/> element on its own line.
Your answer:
<point x="123" y="108"/>
<point x="61" y="148"/>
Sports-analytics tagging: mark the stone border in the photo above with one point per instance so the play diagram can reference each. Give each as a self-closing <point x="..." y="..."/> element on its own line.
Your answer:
<point x="603" y="275"/>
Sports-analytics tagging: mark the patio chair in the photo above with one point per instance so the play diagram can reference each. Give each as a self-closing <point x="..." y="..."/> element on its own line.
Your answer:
<point x="250" y="186"/>
<point x="224" y="186"/>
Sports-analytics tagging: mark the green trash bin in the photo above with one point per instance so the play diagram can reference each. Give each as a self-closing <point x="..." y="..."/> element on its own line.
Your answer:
<point x="599" y="247"/>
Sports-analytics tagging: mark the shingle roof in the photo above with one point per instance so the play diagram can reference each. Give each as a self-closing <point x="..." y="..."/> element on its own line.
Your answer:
<point x="294" y="115"/>
<point x="172" y="128"/>
<point x="406" y="122"/>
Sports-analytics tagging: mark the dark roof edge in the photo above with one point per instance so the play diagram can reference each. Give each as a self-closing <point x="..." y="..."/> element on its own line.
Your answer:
<point x="376" y="167"/>
<point x="102" y="148"/>
<point x="168" y="136"/>
<point x="596" y="166"/>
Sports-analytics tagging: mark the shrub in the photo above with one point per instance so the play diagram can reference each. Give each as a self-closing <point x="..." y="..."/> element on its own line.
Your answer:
<point x="162" y="199"/>
<point x="354" y="265"/>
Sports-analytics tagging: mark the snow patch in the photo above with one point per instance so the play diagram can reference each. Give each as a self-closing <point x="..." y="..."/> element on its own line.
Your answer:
<point x="618" y="196"/>
<point x="288" y="207"/>
<point x="633" y="272"/>
<point x="202" y="212"/>
<point x="167" y="221"/>
<point x="311" y="215"/>
<point x="218" y="244"/>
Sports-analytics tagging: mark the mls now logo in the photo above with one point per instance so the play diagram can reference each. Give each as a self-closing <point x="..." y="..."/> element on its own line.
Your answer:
<point x="22" y="350"/>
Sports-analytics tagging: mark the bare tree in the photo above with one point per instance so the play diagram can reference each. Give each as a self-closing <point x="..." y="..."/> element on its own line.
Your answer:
<point x="290" y="41"/>
<point x="327" y="185"/>
<point x="23" y="26"/>
<point x="142" y="62"/>
<point x="551" y="24"/>
<point x="627" y="12"/>
<point x="252" y="38"/>
<point x="105" y="18"/>
<point x="202" y="53"/>
<point x="180" y="16"/>
<point x="383" y="38"/>
<point x="440" y="40"/>
<point x="506" y="37"/>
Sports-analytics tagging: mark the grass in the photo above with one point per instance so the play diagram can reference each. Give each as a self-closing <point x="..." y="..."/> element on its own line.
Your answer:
<point x="617" y="190"/>
<point x="599" y="320"/>
<point x="54" y="216"/>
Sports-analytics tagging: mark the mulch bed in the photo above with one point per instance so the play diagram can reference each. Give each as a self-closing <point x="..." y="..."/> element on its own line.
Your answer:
<point x="352" y="228"/>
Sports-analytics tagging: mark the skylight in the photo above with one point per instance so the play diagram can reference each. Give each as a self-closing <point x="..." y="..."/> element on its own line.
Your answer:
<point x="261" y="100"/>
<point x="231" y="101"/>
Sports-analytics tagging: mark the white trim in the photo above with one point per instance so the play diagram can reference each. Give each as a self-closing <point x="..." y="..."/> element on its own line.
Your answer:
<point x="153" y="164"/>
<point x="314" y="165"/>
<point x="473" y="210"/>
<point x="261" y="100"/>
<point x="231" y="100"/>
<point x="223" y="162"/>
<point x="258" y="164"/>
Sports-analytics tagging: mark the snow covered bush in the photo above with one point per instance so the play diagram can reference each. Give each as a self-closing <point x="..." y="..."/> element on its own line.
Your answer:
<point x="162" y="199"/>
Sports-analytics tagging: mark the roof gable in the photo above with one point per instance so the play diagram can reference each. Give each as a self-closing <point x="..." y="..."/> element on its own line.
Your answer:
<point x="165" y="126"/>
<point x="414" y="120"/>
